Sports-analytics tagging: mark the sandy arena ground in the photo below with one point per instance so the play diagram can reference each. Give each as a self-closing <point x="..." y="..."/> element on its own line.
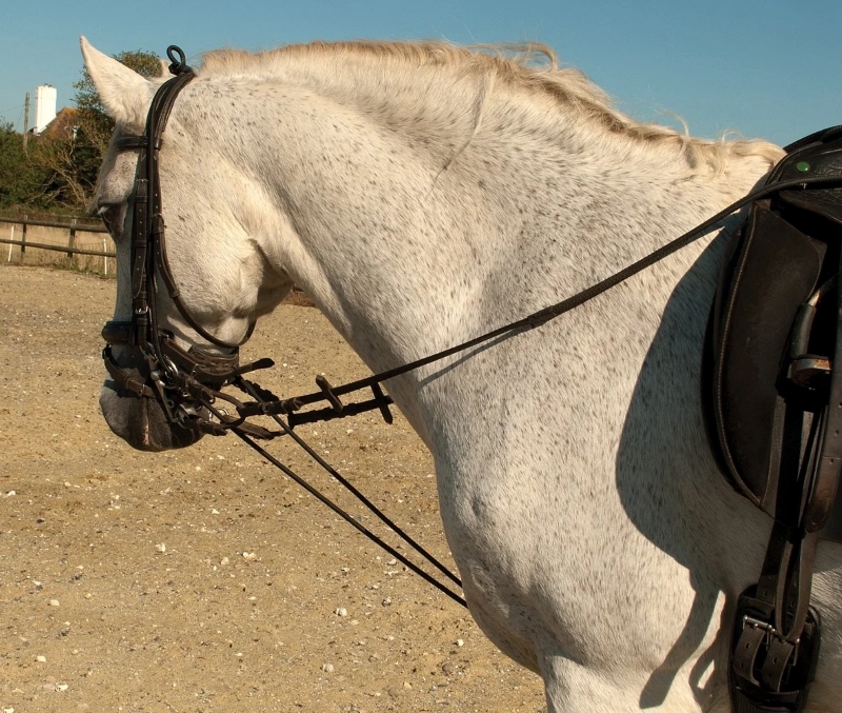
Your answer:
<point x="203" y="580"/>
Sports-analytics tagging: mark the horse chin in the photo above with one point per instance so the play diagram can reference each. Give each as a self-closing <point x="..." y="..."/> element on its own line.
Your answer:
<point x="141" y="422"/>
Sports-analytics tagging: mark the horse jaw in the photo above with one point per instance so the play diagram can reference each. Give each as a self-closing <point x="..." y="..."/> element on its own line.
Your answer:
<point x="125" y="94"/>
<point x="141" y="422"/>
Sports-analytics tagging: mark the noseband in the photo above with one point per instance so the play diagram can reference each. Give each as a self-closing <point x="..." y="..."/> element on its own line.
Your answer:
<point x="177" y="377"/>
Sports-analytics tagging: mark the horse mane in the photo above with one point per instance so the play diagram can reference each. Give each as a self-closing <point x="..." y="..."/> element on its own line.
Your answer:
<point x="530" y="65"/>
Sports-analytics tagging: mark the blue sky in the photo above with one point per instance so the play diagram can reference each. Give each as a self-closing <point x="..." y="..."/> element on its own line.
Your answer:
<point x="766" y="68"/>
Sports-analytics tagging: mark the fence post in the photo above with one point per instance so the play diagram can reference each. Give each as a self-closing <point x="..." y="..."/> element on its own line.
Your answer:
<point x="23" y="238"/>
<point x="11" y="238"/>
<point x="71" y="241"/>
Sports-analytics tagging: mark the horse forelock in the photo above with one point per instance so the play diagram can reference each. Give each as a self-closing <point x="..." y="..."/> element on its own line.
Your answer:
<point x="530" y="66"/>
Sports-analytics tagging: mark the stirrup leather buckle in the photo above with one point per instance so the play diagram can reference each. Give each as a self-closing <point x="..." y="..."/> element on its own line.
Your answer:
<point x="770" y="673"/>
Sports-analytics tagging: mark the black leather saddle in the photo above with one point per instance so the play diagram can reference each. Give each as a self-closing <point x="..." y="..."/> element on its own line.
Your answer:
<point x="773" y="391"/>
<point x="772" y="335"/>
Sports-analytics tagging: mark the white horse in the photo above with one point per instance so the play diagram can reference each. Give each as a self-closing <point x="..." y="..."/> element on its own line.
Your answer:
<point x="423" y="194"/>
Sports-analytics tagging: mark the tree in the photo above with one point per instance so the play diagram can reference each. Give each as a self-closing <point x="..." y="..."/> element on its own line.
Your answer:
<point x="20" y="177"/>
<point x="60" y="167"/>
<point x="12" y="163"/>
<point x="95" y="126"/>
<point x="69" y="167"/>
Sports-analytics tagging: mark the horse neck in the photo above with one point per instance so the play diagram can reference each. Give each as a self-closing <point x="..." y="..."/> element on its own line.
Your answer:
<point x="420" y="217"/>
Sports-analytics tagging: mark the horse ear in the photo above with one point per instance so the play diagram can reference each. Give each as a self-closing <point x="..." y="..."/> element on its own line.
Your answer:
<point x="124" y="93"/>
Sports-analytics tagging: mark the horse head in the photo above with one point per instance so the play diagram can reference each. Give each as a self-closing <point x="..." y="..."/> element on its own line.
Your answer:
<point x="184" y="306"/>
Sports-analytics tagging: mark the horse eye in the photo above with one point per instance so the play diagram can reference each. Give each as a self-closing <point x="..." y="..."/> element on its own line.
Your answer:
<point x="112" y="216"/>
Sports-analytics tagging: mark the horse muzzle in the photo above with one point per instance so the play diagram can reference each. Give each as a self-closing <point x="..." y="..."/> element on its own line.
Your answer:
<point x="142" y="421"/>
<point x="154" y="398"/>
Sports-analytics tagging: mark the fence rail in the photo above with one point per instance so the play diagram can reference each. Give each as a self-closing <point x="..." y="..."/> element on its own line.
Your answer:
<point x="70" y="249"/>
<point x="72" y="224"/>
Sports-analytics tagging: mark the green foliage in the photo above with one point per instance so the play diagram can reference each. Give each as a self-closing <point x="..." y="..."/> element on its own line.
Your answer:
<point x="59" y="171"/>
<point x="68" y="168"/>
<point x="20" y="177"/>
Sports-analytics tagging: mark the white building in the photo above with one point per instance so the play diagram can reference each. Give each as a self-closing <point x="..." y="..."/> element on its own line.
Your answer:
<point x="45" y="107"/>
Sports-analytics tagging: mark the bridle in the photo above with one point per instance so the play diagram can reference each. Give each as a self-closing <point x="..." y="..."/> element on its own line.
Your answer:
<point x="188" y="383"/>
<point x="178" y="378"/>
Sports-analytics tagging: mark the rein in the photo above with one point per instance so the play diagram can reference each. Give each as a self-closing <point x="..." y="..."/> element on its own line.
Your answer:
<point x="188" y="383"/>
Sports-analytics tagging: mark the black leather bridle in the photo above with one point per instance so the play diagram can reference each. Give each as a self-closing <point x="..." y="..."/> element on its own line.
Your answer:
<point x="188" y="383"/>
<point x="178" y="379"/>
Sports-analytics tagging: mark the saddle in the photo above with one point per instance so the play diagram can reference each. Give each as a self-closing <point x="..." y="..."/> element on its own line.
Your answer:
<point x="773" y="325"/>
<point x="773" y="395"/>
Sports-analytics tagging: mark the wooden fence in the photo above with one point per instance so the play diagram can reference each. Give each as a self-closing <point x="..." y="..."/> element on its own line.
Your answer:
<point x="28" y="237"/>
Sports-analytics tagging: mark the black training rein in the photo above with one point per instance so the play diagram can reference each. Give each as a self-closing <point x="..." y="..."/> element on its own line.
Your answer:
<point x="189" y="383"/>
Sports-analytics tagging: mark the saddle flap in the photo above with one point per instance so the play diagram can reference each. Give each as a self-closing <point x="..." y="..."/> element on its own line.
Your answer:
<point x="772" y="270"/>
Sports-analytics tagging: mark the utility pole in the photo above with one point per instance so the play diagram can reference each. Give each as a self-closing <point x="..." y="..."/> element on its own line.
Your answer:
<point x="25" y="121"/>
